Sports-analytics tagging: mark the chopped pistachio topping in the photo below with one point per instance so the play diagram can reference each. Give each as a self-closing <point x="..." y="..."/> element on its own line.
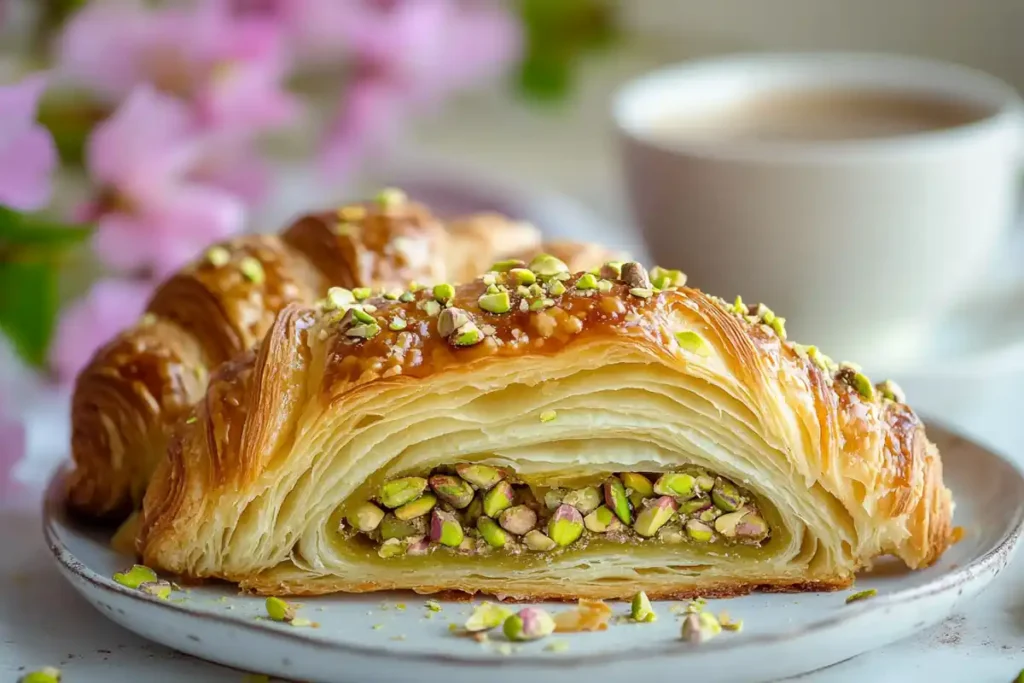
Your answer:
<point x="547" y="265"/>
<point x="365" y="331"/>
<point x="892" y="391"/>
<point x="218" y="256"/>
<point x="47" y="674"/>
<point x="136" y="576"/>
<point x="689" y="340"/>
<point x="451" y="319"/>
<point x="586" y="281"/>
<point x="444" y="292"/>
<point x="339" y="297"/>
<point x="641" y="292"/>
<point x="361" y="293"/>
<point x="522" y="276"/>
<point x="663" y="278"/>
<point x="541" y="304"/>
<point x="279" y="610"/>
<point x="397" y="324"/>
<point x="508" y="265"/>
<point x="391" y="197"/>
<point x="641" y="609"/>
<point x="252" y="269"/>
<point x="635" y="275"/>
<point x="495" y="303"/>
<point x="556" y="288"/>
<point x="548" y="416"/>
<point x="604" y="285"/>
<point x="392" y="294"/>
<point x="431" y="308"/>
<point x="352" y="212"/>
<point x="779" y="325"/>
<point x="699" y="627"/>
<point x="468" y="335"/>
<point x="611" y="270"/>
<point x="361" y="315"/>
<point x="406" y="297"/>
<point x="862" y="595"/>
<point x="486" y="616"/>
<point x="493" y="289"/>
<point x="766" y="314"/>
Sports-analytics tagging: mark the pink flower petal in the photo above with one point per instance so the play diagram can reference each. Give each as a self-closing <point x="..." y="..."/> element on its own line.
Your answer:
<point x="102" y="47"/>
<point x="92" y="321"/>
<point x="26" y="168"/>
<point x="369" y="120"/>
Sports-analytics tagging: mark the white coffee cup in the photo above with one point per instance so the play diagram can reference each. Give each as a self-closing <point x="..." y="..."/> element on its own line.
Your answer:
<point x="861" y="244"/>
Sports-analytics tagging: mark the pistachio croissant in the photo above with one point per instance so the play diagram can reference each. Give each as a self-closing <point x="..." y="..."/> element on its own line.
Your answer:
<point x="137" y="386"/>
<point x="541" y="434"/>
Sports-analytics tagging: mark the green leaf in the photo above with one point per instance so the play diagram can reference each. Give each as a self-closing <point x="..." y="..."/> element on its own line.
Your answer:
<point x="29" y="302"/>
<point x="18" y="230"/>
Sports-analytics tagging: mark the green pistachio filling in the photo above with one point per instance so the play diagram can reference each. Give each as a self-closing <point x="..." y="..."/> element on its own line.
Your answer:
<point x="478" y="509"/>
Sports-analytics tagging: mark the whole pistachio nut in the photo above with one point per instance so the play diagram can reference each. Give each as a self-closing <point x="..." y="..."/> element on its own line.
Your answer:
<point x="692" y="507"/>
<point x="452" y="489"/>
<point x="498" y="498"/>
<point x="486" y="616"/>
<point x="417" y="508"/>
<point x="586" y="500"/>
<point x="547" y="265"/>
<point x="726" y="496"/>
<point x="491" y="532"/>
<point x="391" y="548"/>
<point x="536" y="540"/>
<point x="727" y="523"/>
<point x="398" y="492"/>
<point x="480" y="476"/>
<point x="47" y="674"/>
<point x="158" y="589"/>
<point x="641" y="609"/>
<point x="638" y="483"/>
<point x="553" y="498"/>
<point x="698" y="531"/>
<point x="473" y="511"/>
<point x="566" y="525"/>
<point x="705" y="482"/>
<point x="532" y="623"/>
<point x="518" y="519"/>
<point x="451" y="319"/>
<point x="445" y="529"/>
<point x="635" y="275"/>
<point x="365" y="517"/>
<point x="679" y="485"/>
<point x="136" y="576"/>
<point x="392" y="527"/>
<point x="752" y="527"/>
<point x="279" y="610"/>
<point x="655" y="516"/>
<point x="615" y="498"/>
<point x="600" y="520"/>
<point x="700" y="627"/>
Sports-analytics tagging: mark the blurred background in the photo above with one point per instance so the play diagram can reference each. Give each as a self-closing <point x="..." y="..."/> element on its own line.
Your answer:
<point x="178" y="123"/>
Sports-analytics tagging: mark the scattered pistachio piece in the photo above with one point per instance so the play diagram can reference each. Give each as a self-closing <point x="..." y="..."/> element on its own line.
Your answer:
<point x="611" y="270"/>
<point x="495" y="303"/>
<point x="557" y="646"/>
<point x="655" y="516"/>
<point x="398" y="492"/>
<point x="700" y="627"/>
<point x="491" y="532"/>
<point x="481" y="476"/>
<point x="391" y="197"/>
<point x="218" y="256"/>
<point x="450" y="320"/>
<point x="444" y="292"/>
<point x="638" y="483"/>
<point x="499" y="498"/>
<point x="532" y="623"/>
<point x="365" y="517"/>
<point x="586" y="499"/>
<point x="431" y="308"/>
<point x="536" y="540"/>
<point x="604" y="285"/>
<point x="663" y="278"/>
<point x="452" y="490"/>
<point x="615" y="498"/>
<point x="392" y="527"/>
<point x="728" y="523"/>
<point x="852" y="375"/>
<point x="47" y="674"/>
<point x="338" y="298"/>
<point x="548" y="416"/>
<point x="779" y="325"/>
<point x="726" y="496"/>
<point x="279" y="610"/>
<point x="416" y="508"/>
<point x="556" y="288"/>
<point x="566" y="525"/>
<point x="136" y="576"/>
<point x="641" y="292"/>
<point x="364" y="331"/>
<point x="486" y="616"/>
<point x="600" y="520"/>
<point x="507" y="265"/>
<point x="641" y="609"/>
<point x="468" y="335"/>
<point x="698" y="531"/>
<point x="158" y="589"/>
<point x="547" y="265"/>
<point x="541" y="304"/>
<point x="862" y="595"/>
<point x="587" y="281"/>
<point x="252" y="269"/>
<point x="407" y="297"/>
<point x="397" y="324"/>
<point x="635" y="276"/>
<point x="445" y="529"/>
<point x="522" y="276"/>
<point x="680" y="485"/>
<point x="892" y="391"/>
<point x="517" y="519"/>
<point x="692" y="342"/>
<point x="391" y="547"/>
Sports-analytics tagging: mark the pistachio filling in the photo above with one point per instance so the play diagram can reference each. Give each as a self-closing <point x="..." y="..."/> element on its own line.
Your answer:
<point x="476" y="509"/>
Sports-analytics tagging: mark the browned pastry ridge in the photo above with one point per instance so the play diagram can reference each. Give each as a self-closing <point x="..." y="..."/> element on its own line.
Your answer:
<point x="136" y="387"/>
<point x="537" y="434"/>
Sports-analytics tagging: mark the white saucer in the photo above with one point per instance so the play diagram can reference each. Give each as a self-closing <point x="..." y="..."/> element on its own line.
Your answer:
<point x="784" y="634"/>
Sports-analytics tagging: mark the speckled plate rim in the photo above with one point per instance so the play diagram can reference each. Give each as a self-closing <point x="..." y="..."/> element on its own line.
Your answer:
<point x="992" y="561"/>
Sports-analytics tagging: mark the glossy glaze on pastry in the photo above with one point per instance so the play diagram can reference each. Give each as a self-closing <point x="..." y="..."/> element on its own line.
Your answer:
<point x="142" y="382"/>
<point x="541" y="434"/>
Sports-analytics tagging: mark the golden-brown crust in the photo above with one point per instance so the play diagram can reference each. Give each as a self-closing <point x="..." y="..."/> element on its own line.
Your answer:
<point x="868" y="454"/>
<point x="137" y="386"/>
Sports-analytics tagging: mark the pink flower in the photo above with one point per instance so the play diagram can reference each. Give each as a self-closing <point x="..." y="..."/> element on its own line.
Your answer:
<point x="410" y="54"/>
<point x="28" y="156"/>
<point x="229" y="68"/>
<point x="156" y="212"/>
<point x="109" y="307"/>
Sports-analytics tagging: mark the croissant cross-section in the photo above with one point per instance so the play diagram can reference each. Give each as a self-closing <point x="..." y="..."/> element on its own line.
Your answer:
<point x="542" y="434"/>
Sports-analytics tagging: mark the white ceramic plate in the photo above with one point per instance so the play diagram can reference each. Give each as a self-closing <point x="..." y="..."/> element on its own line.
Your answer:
<point x="784" y="634"/>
